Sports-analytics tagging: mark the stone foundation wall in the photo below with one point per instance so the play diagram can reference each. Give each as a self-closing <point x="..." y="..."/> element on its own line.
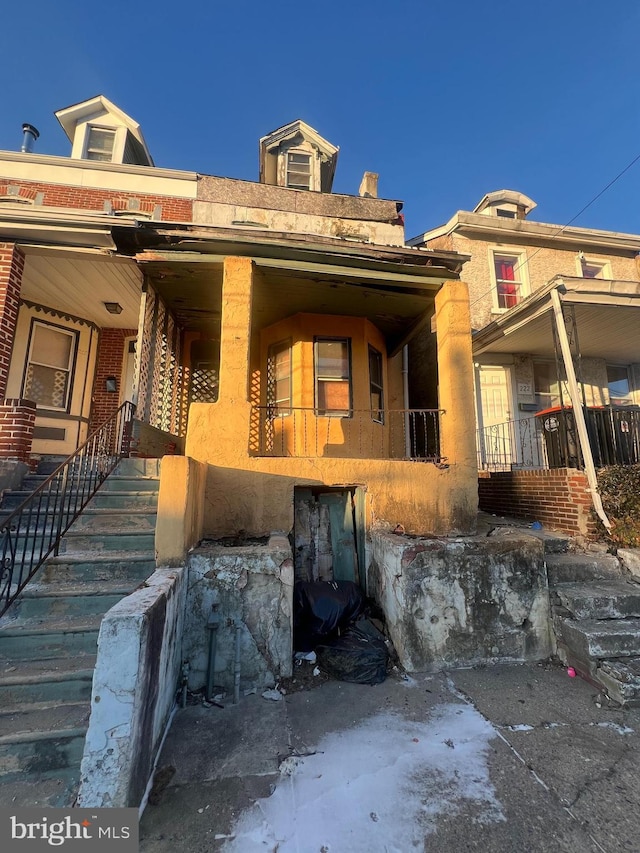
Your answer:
<point x="460" y="602"/>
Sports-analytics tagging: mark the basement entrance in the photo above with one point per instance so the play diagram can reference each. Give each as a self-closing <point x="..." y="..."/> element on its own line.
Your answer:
<point x="329" y="528"/>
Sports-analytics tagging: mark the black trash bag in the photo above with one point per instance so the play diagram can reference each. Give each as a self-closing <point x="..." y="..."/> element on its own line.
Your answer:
<point x="359" y="655"/>
<point x="321" y="609"/>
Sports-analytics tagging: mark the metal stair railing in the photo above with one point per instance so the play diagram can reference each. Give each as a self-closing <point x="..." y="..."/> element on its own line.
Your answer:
<point x="34" y="529"/>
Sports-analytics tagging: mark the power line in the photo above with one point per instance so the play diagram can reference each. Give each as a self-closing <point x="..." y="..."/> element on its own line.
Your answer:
<point x="570" y="222"/>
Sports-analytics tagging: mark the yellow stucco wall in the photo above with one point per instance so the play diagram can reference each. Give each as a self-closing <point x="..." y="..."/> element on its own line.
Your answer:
<point x="255" y="494"/>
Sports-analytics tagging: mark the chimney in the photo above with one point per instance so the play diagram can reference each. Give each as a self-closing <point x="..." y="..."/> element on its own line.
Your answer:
<point x="29" y="138"/>
<point x="369" y="185"/>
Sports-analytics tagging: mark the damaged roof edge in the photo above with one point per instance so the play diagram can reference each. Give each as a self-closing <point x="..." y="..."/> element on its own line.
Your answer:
<point x="188" y="237"/>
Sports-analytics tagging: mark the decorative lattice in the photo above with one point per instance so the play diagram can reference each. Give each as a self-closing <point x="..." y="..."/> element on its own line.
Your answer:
<point x="204" y="384"/>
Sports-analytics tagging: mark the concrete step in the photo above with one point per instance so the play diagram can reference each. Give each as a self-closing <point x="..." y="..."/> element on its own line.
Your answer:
<point x="40" y="752"/>
<point x="119" y="483"/>
<point x="621" y="680"/>
<point x="45" y="599"/>
<point x="58" y="679"/>
<point x="607" y="599"/>
<point x="139" y="466"/>
<point x="115" y="540"/>
<point x="569" y="568"/>
<point x="110" y="565"/>
<point x="55" y="789"/>
<point x="32" y="639"/>
<point x="593" y="639"/>
<point x="115" y="498"/>
<point x="21" y="720"/>
<point x="137" y="518"/>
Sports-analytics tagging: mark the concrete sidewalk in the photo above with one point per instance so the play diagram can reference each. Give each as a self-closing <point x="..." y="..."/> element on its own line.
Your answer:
<point x="499" y="759"/>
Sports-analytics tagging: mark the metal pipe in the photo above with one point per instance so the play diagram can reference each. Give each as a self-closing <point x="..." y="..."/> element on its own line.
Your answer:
<point x="236" y="673"/>
<point x="213" y="623"/>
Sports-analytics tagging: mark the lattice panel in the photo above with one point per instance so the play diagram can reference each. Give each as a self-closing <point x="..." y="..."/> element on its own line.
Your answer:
<point x="155" y="397"/>
<point x="204" y="385"/>
<point x="143" y="354"/>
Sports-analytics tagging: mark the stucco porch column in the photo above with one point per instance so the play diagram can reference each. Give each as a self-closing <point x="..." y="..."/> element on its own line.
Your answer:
<point x="218" y="433"/>
<point x="11" y="269"/>
<point x="455" y="376"/>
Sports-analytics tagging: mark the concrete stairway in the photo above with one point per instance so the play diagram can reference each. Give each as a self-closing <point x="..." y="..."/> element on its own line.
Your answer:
<point x="596" y="618"/>
<point x="48" y="638"/>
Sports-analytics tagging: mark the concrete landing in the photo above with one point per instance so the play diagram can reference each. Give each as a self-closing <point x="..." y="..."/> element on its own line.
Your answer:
<point x="496" y="759"/>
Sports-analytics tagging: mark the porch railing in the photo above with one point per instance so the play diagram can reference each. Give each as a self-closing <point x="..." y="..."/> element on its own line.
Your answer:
<point x="32" y="532"/>
<point x="408" y="434"/>
<point x="549" y="440"/>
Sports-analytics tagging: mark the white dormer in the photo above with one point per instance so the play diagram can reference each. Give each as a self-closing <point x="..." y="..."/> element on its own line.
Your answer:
<point x="506" y="203"/>
<point x="296" y="156"/>
<point x="100" y="131"/>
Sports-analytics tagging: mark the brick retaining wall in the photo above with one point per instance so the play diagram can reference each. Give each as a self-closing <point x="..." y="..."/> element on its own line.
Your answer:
<point x="558" y="498"/>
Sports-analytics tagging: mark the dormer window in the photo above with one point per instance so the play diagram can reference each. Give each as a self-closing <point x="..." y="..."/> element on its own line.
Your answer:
<point x="102" y="132"/>
<point x="297" y="157"/>
<point x="100" y="144"/>
<point x="298" y="171"/>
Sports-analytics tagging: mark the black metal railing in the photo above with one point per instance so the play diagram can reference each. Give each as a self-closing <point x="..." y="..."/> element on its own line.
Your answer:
<point x="409" y="434"/>
<point x="550" y="440"/>
<point x="33" y="531"/>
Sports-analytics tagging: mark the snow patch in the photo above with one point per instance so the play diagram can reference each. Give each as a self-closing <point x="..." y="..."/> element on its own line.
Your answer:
<point x="622" y="730"/>
<point x="379" y="786"/>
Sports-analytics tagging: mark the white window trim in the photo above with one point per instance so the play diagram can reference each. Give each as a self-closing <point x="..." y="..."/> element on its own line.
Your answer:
<point x="605" y="263"/>
<point x="523" y="270"/>
<point x="81" y="141"/>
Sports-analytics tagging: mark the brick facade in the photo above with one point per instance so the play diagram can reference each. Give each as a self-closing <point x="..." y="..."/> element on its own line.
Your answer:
<point x="558" y="498"/>
<point x="17" y="418"/>
<point x="11" y="269"/>
<point x="109" y="363"/>
<point x="172" y="209"/>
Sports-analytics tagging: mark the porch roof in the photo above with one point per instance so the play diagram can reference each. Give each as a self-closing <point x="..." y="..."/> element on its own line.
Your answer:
<point x="393" y="286"/>
<point x="607" y="323"/>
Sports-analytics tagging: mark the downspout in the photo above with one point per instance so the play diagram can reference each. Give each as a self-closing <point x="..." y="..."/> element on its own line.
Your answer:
<point x="578" y="411"/>
<point x="405" y="395"/>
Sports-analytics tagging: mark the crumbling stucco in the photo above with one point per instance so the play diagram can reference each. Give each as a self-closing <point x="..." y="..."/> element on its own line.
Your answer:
<point x="456" y="602"/>
<point x="251" y="587"/>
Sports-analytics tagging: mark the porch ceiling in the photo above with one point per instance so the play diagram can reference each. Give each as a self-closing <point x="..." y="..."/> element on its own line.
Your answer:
<point x="611" y="332"/>
<point x="79" y="283"/>
<point x="194" y="294"/>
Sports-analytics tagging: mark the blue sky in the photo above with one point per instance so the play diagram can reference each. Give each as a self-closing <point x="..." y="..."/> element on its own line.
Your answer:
<point x="445" y="100"/>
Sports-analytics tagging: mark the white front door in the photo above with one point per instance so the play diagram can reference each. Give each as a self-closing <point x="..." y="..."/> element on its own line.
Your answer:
<point x="496" y="448"/>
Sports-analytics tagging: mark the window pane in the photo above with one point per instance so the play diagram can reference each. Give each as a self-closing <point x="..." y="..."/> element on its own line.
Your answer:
<point x="508" y="295"/>
<point x="279" y="376"/>
<point x="546" y="384"/>
<point x="100" y="144"/>
<point x="333" y="397"/>
<point x="46" y="386"/>
<point x="50" y="346"/>
<point x="332" y="359"/>
<point x="375" y="367"/>
<point x="619" y="385"/>
<point x="299" y="171"/>
<point x="592" y="270"/>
